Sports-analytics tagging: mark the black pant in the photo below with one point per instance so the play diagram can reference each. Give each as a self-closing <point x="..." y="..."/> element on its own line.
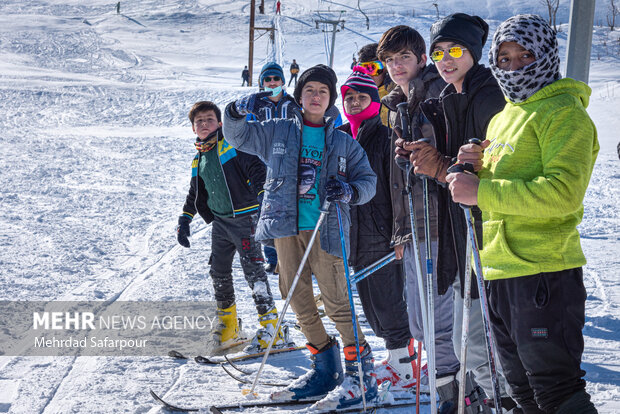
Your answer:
<point x="293" y="76"/>
<point x="537" y="322"/>
<point x="383" y="300"/>
<point x="237" y="234"/>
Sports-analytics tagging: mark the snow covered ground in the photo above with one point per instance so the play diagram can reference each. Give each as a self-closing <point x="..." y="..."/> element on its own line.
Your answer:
<point x="96" y="149"/>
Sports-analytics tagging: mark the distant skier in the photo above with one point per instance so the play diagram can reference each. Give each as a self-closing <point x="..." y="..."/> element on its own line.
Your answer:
<point x="278" y="4"/>
<point x="354" y="63"/>
<point x="294" y="72"/>
<point x="532" y="178"/>
<point x="225" y="189"/>
<point x="245" y="75"/>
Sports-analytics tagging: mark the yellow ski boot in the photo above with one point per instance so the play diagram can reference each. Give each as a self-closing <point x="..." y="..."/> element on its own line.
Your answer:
<point x="227" y="332"/>
<point x="268" y="321"/>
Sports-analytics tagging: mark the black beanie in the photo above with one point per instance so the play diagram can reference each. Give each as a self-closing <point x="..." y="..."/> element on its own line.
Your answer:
<point x="318" y="73"/>
<point x="461" y="28"/>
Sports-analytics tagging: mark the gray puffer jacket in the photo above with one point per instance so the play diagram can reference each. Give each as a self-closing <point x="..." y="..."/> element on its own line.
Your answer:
<point x="278" y="142"/>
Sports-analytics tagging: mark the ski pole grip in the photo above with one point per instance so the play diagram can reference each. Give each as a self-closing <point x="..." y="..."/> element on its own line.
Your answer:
<point x="404" y="120"/>
<point x="476" y="141"/>
<point x="459" y="168"/>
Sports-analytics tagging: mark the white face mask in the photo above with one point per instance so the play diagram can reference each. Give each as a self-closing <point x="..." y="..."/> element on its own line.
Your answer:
<point x="275" y="91"/>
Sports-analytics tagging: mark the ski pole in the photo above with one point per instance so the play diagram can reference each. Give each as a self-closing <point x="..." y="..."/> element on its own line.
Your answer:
<point x="426" y="301"/>
<point x="352" y="306"/>
<point x="367" y="271"/>
<point x="418" y="379"/>
<point x="486" y="321"/>
<point x="465" y="326"/>
<point x="289" y="296"/>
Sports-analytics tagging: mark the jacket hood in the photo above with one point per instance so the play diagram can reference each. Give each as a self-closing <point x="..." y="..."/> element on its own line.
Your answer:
<point x="569" y="86"/>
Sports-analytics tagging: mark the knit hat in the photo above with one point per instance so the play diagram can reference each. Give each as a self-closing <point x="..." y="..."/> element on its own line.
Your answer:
<point x="533" y="33"/>
<point x="361" y="82"/>
<point x="461" y="28"/>
<point x="271" y="69"/>
<point x="318" y="73"/>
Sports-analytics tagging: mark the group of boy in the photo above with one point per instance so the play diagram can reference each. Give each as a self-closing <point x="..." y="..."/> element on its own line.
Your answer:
<point x="293" y="163"/>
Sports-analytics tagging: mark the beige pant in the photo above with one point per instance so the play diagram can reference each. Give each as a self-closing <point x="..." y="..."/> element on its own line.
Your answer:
<point x="329" y="273"/>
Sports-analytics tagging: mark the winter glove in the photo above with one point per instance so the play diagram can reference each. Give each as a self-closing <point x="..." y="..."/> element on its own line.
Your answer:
<point x="183" y="231"/>
<point x="251" y="104"/>
<point x="427" y="161"/>
<point x="339" y="191"/>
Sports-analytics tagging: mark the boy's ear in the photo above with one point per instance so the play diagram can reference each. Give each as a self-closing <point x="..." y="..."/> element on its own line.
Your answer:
<point x="220" y="124"/>
<point x="423" y="59"/>
<point x="194" y="129"/>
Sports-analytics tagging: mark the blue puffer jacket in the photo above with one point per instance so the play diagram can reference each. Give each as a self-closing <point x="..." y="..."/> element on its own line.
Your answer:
<point x="278" y="143"/>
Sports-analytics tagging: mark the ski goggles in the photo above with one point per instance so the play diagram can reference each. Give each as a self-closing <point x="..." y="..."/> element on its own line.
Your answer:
<point x="373" y="68"/>
<point x="271" y="78"/>
<point x="456" y="52"/>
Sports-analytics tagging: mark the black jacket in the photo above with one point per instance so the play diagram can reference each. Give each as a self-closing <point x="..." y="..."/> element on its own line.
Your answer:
<point x="426" y="85"/>
<point x="459" y="117"/>
<point x="244" y="179"/>
<point x="371" y="223"/>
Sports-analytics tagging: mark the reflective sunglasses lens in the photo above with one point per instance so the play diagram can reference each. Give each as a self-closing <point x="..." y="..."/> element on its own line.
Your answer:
<point x="437" y="55"/>
<point x="272" y="78"/>
<point x="455" y="52"/>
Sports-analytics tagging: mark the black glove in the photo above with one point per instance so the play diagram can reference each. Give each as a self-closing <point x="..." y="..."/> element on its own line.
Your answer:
<point x="251" y="104"/>
<point x="183" y="231"/>
<point x="338" y="191"/>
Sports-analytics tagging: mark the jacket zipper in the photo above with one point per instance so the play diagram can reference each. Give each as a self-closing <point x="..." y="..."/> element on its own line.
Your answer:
<point x="232" y="206"/>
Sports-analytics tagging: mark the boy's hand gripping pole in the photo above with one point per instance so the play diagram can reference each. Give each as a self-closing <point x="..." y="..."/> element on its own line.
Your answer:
<point x="324" y="213"/>
<point x="426" y="301"/>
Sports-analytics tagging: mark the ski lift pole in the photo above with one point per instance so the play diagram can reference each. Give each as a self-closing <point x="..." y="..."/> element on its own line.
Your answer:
<point x="352" y="305"/>
<point x="289" y="296"/>
<point x="486" y="321"/>
<point x="429" y="337"/>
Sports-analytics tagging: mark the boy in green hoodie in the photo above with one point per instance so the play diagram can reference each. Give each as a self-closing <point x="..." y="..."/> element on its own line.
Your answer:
<point x="530" y="186"/>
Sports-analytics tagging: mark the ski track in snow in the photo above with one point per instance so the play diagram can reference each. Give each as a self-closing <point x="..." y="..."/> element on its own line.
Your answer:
<point x="95" y="168"/>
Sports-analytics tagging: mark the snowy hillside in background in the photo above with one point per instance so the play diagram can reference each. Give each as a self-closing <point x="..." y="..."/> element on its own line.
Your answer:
<point x="95" y="158"/>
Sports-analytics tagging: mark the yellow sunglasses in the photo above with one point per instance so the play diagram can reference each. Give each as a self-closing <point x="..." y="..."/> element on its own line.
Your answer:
<point x="456" y="52"/>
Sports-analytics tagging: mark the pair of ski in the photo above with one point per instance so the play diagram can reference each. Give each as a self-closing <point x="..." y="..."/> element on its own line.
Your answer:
<point x="397" y="403"/>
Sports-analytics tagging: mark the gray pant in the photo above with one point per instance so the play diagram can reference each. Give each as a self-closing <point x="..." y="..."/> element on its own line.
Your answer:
<point x="230" y="235"/>
<point x="446" y="361"/>
<point x="477" y="358"/>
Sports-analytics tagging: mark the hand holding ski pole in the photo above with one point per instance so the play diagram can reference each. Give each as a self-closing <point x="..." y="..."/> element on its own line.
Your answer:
<point x="463" y="182"/>
<point x="337" y="190"/>
<point x="473" y="152"/>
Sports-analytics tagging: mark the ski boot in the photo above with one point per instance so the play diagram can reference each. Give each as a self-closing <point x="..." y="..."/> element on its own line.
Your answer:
<point x="325" y="375"/>
<point x="349" y="393"/>
<point x="399" y="369"/>
<point x="227" y="333"/>
<point x="448" y="391"/>
<point x="268" y="321"/>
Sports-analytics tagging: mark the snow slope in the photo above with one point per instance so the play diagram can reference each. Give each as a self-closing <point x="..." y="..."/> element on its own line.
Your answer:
<point x="96" y="147"/>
